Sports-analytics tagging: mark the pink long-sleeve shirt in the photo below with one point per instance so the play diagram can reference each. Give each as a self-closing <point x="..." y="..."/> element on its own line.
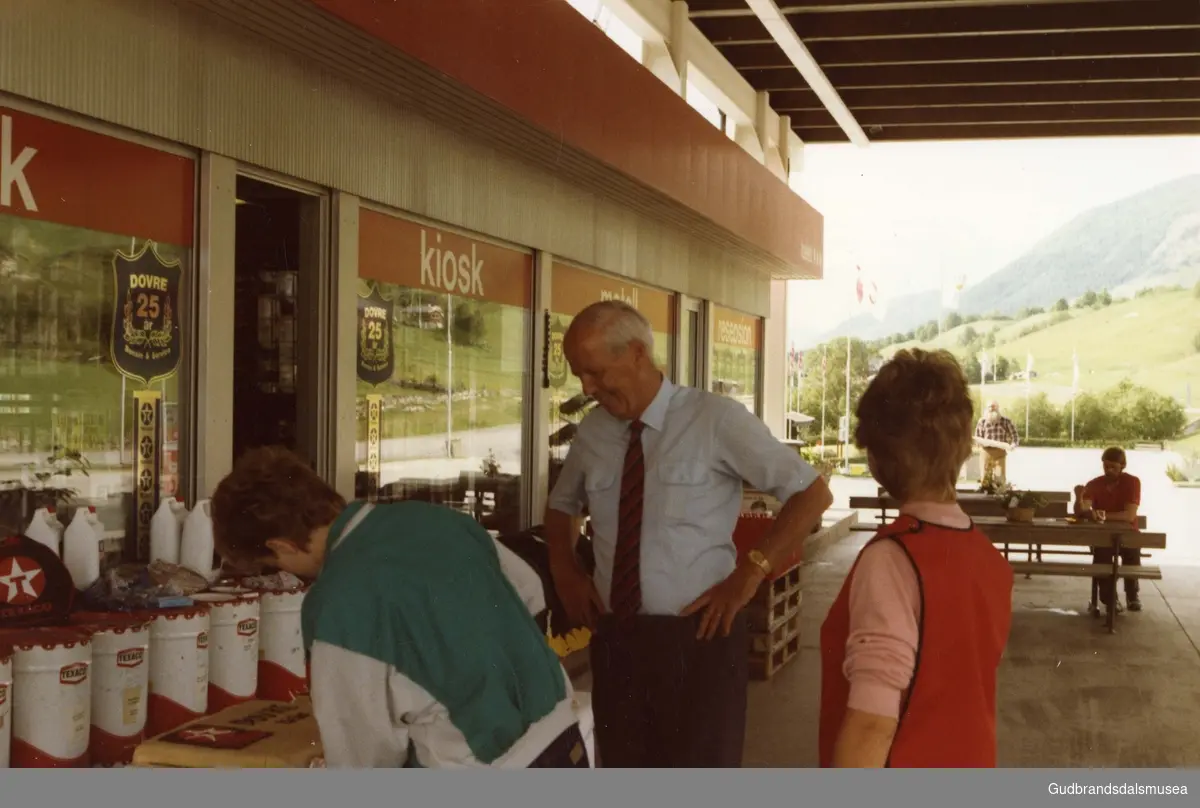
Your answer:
<point x="885" y="612"/>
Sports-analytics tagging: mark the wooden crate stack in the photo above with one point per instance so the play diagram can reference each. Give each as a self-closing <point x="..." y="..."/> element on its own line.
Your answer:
<point x="774" y="623"/>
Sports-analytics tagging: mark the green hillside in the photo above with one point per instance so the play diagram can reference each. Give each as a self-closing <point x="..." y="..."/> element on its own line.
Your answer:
<point x="1150" y="340"/>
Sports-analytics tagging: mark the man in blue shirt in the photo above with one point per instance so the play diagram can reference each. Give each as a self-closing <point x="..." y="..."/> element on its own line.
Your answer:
<point x="660" y="470"/>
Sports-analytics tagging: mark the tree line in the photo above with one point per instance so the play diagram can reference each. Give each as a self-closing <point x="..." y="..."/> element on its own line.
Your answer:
<point x="1124" y="413"/>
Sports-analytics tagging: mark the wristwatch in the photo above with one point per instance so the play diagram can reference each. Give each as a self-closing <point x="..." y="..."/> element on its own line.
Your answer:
<point x="759" y="560"/>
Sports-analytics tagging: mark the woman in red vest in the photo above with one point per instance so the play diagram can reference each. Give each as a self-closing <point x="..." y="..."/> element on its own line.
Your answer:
<point x="910" y="648"/>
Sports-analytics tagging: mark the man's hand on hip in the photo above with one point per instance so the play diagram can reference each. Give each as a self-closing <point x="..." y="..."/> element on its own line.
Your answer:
<point x="723" y="602"/>
<point x="577" y="591"/>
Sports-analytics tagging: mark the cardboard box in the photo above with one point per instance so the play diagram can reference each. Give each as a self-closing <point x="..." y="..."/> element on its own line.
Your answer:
<point x="758" y="502"/>
<point x="253" y="735"/>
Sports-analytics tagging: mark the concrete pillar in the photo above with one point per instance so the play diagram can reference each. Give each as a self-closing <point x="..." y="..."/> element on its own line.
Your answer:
<point x="538" y="429"/>
<point x="212" y="438"/>
<point x="774" y="376"/>
<point x="345" y="335"/>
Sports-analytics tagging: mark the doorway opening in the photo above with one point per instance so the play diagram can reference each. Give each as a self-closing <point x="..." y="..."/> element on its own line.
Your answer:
<point x="278" y="265"/>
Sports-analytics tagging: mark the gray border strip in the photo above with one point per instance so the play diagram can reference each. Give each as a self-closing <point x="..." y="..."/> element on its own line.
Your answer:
<point x="183" y="788"/>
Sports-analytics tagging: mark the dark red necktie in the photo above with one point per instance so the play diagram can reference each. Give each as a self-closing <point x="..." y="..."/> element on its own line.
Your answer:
<point x="626" y="596"/>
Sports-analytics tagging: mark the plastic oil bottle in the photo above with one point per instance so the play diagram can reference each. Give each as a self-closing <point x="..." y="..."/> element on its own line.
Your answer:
<point x="45" y="529"/>
<point x="81" y="549"/>
<point x="196" y="546"/>
<point x="165" y="529"/>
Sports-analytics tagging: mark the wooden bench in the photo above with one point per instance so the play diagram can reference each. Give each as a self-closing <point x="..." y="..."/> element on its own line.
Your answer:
<point x="1048" y="536"/>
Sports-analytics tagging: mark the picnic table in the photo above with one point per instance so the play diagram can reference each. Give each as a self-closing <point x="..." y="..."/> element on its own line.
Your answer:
<point x="973" y="503"/>
<point x="1064" y="533"/>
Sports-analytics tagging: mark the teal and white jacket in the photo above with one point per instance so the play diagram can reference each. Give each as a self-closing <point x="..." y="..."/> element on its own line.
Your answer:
<point x="424" y="650"/>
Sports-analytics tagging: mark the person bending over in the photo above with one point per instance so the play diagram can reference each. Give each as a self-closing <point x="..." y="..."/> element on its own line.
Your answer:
<point x="423" y="650"/>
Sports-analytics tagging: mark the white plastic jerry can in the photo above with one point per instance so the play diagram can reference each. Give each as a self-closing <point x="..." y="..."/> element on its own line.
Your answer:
<point x="196" y="546"/>
<point x="45" y="529"/>
<point x="165" y="532"/>
<point x="81" y="549"/>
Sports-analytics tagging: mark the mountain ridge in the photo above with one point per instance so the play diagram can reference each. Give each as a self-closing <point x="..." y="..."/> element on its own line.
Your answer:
<point x="1150" y="238"/>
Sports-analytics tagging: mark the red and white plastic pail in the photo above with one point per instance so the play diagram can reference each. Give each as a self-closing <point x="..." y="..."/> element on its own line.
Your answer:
<point x="233" y="648"/>
<point x="178" y="667"/>
<point x="51" y="697"/>
<point x="120" y="683"/>
<point x="5" y="704"/>
<point x="282" y="671"/>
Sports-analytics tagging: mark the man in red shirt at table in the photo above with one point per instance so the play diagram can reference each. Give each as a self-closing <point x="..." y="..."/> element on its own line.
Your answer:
<point x="1118" y="494"/>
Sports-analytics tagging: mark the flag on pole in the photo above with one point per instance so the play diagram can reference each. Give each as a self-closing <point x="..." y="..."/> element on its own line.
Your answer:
<point x="867" y="294"/>
<point x="984" y="366"/>
<point x="1028" y="364"/>
<point x="1075" y="370"/>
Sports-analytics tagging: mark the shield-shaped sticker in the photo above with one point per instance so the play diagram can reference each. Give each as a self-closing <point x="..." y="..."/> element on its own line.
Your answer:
<point x="145" y="342"/>
<point x="556" y="366"/>
<point x="376" y="351"/>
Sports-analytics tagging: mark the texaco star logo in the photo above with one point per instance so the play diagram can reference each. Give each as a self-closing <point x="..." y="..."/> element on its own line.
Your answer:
<point x="22" y="580"/>
<point x="205" y="734"/>
<point x="216" y="737"/>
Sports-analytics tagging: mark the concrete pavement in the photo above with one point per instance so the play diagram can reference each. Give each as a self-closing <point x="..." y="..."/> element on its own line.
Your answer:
<point x="1070" y="694"/>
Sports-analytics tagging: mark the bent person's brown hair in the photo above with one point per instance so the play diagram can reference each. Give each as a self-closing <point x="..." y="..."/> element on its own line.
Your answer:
<point x="270" y="494"/>
<point x="916" y="420"/>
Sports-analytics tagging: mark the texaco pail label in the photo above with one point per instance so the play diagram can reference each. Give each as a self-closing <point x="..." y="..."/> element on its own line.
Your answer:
<point x="73" y="674"/>
<point x="248" y="627"/>
<point x="131" y="657"/>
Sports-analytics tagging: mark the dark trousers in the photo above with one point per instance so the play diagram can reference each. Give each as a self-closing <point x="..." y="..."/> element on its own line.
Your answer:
<point x="663" y="699"/>
<point x="568" y="751"/>
<point x="1130" y="557"/>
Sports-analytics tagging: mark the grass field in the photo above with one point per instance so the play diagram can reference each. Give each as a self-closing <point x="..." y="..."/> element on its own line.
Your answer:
<point x="1148" y="340"/>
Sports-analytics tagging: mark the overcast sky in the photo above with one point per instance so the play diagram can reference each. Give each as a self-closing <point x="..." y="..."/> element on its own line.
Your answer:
<point x="913" y="214"/>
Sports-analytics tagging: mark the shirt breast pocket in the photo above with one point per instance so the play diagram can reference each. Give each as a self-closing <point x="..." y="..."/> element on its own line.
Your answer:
<point x="603" y="491"/>
<point x="685" y="488"/>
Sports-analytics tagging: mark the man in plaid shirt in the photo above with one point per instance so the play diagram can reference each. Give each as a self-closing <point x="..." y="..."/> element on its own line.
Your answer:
<point x="994" y="426"/>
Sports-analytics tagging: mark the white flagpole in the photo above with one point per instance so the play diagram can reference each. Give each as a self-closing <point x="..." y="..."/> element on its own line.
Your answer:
<point x="824" y="376"/>
<point x="1074" y="389"/>
<point x="1028" y="385"/>
<point x="847" y="444"/>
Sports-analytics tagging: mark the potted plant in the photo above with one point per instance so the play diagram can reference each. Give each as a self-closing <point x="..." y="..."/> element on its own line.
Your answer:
<point x="1021" y="506"/>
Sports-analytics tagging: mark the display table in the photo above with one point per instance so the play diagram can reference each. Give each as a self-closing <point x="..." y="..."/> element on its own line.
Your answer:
<point x="252" y="735"/>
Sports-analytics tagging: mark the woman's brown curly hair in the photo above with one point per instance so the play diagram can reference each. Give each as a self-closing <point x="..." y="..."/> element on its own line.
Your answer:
<point x="270" y="494"/>
<point x="915" y="421"/>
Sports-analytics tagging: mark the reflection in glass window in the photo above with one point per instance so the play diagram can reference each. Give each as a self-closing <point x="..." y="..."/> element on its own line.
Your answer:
<point x="95" y="250"/>
<point x="443" y="338"/>
<point x="571" y="291"/>
<point x="60" y="393"/>
<point x="736" y="354"/>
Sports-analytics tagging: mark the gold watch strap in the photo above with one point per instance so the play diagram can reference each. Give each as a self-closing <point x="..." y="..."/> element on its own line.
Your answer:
<point x="759" y="560"/>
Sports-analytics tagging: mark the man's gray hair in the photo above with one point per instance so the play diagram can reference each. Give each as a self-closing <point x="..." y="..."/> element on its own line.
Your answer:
<point x="619" y="323"/>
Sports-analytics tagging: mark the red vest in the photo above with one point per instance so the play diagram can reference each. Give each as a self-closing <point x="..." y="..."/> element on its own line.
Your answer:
<point x="948" y="714"/>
